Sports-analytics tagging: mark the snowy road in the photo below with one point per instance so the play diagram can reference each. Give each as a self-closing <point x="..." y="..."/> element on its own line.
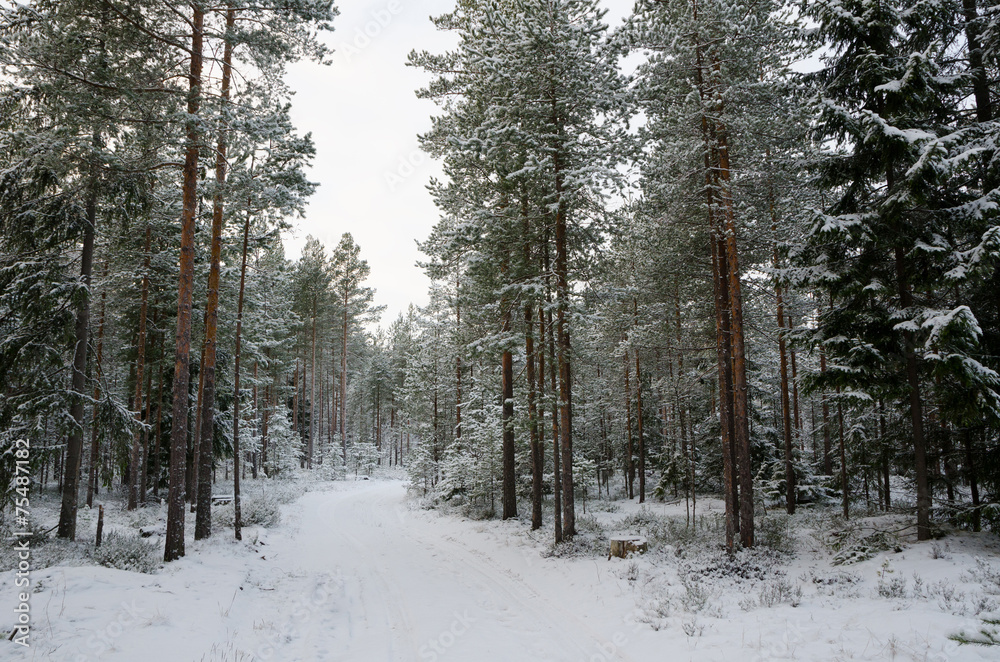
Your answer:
<point x="407" y="587"/>
<point x="353" y="574"/>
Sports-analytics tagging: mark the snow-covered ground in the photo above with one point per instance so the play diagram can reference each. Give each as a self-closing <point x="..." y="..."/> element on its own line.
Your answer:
<point x="356" y="571"/>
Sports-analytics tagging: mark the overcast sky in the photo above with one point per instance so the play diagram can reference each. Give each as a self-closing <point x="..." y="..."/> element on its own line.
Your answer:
<point x="364" y="117"/>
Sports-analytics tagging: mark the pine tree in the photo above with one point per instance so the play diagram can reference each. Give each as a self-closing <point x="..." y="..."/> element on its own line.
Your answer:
<point x="354" y="307"/>
<point x="887" y="241"/>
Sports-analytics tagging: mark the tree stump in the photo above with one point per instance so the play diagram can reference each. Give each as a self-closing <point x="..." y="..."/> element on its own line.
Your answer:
<point x="622" y="546"/>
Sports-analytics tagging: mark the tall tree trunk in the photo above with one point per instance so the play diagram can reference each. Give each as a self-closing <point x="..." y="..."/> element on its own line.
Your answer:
<point x="333" y="398"/>
<point x="74" y="445"/>
<point x="343" y="382"/>
<point x="638" y="414"/>
<point x="980" y="82"/>
<point x="334" y="401"/>
<point x="159" y="429"/>
<point x="94" y="432"/>
<point x="191" y="485"/>
<point x="786" y="414"/>
<point x="845" y="485"/>
<point x="722" y="295"/>
<point x="544" y="318"/>
<point x="140" y="363"/>
<point x="916" y="407"/>
<point x="741" y="422"/>
<point x="295" y="397"/>
<point x="563" y="341"/>
<point x="884" y="459"/>
<point x="796" y="418"/>
<point x="947" y="457"/>
<point x="269" y="402"/>
<point x="255" y="456"/>
<point x="827" y="447"/>
<point x="724" y="359"/>
<point x="238" y="524"/>
<point x="144" y="463"/>
<point x="203" y="518"/>
<point x="509" y="499"/>
<point x="537" y="459"/>
<point x="688" y="455"/>
<point x="458" y="360"/>
<point x="312" y="393"/>
<point x="629" y="443"/>
<point x="970" y="472"/>
<point x="174" y="548"/>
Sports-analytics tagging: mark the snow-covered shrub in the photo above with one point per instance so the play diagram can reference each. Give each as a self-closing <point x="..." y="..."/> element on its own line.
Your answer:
<point x="774" y="532"/>
<point x="949" y="598"/>
<point x="779" y="591"/>
<point x="656" y="612"/>
<point x="938" y="552"/>
<point x="696" y="595"/>
<point x="746" y="565"/>
<point x="333" y="467"/>
<point x="363" y="457"/>
<point x="256" y="509"/>
<point x="810" y="487"/>
<point x="692" y="627"/>
<point x="605" y="507"/>
<point x="588" y="524"/>
<point x="890" y="587"/>
<point x="284" y="445"/>
<point x="660" y="531"/>
<point x="260" y="511"/>
<point x="590" y="540"/>
<point x="986" y="574"/>
<point x="851" y="545"/>
<point x="470" y="471"/>
<point x="126" y="551"/>
<point x="46" y="549"/>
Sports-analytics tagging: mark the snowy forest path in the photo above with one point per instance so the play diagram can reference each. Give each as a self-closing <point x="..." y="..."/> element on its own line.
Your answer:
<point x="407" y="588"/>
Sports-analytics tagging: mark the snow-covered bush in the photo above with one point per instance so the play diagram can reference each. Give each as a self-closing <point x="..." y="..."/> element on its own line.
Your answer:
<point x="333" y="467"/>
<point x="890" y="586"/>
<point x="779" y="591"/>
<point x="696" y="595"/>
<point x="753" y="565"/>
<point x="775" y="533"/>
<point x="363" y="457"/>
<point x="986" y="574"/>
<point x="257" y="508"/>
<point x="703" y="532"/>
<point x="852" y="545"/>
<point x="284" y="445"/>
<point x="810" y="487"/>
<point x="470" y="471"/>
<point x="126" y="551"/>
<point x="46" y="549"/>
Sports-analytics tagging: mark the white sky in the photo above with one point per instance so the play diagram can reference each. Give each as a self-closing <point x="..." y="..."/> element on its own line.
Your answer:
<point x="364" y="117"/>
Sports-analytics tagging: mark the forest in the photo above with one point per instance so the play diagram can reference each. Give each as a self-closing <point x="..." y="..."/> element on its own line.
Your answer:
<point x="733" y="250"/>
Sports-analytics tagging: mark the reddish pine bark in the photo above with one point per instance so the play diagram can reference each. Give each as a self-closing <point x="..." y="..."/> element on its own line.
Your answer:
<point x="174" y="548"/>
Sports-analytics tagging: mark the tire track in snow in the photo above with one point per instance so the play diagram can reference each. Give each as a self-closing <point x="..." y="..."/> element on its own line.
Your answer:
<point x="524" y="596"/>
